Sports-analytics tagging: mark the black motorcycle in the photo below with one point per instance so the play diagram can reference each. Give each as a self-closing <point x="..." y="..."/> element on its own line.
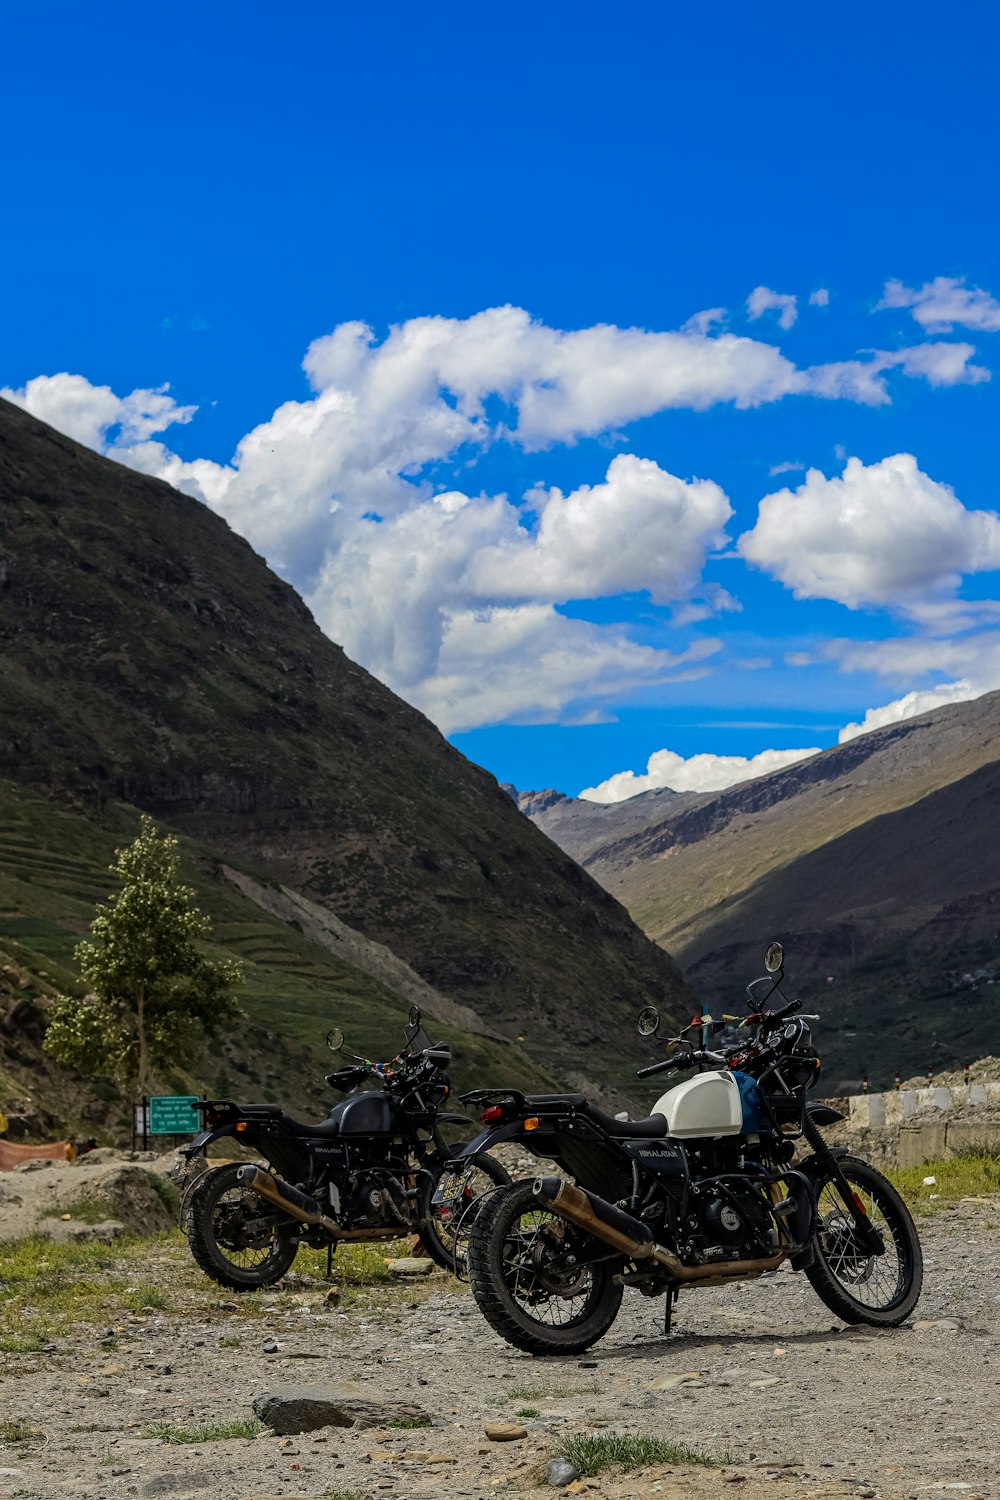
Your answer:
<point x="377" y="1168"/>
<point x="710" y="1188"/>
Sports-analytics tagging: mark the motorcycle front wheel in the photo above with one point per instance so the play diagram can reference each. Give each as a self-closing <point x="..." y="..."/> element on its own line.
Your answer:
<point x="455" y="1201"/>
<point x="527" y="1278"/>
<point x="234" y="1235"/>
<point x="860" y="1287"/>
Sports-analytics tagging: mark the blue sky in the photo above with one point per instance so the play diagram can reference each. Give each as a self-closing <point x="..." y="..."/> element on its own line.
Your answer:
<point x="197" y="199"/>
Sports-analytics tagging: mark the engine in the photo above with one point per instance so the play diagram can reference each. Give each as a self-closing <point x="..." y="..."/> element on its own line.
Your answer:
<point x="734" y="1224"/>
<point x="373" y="1200"/>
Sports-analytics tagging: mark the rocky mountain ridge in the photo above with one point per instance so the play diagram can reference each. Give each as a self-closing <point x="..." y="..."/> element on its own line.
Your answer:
<point x="876" y="861"/>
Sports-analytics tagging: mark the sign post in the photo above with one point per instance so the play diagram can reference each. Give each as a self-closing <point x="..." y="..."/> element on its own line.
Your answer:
<point x="173" y="1114"/>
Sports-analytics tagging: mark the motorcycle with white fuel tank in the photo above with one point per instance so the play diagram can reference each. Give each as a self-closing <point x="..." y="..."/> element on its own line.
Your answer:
<point x="729" y="1177"/>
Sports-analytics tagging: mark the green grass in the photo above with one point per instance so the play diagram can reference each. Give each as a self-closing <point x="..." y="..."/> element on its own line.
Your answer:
<point x="527" y="1411"/>
<point x="16" y="1430"/>
<point x="411" y="1422"/>
<point x="48" y="1287"/>
<point x="549" y="1392"/>
<point x="592" y="1455"/>
<point x="16" y="1343"/>
<point x="85" y="1210"/>
<point x="208" y="1432"/>
<point x="973" y="1174"/>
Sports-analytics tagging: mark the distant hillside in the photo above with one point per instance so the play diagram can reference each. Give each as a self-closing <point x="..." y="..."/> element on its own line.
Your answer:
<point x="878" y="864"/>
<point x="151" y="660"/>
<point x="581" y="827"/>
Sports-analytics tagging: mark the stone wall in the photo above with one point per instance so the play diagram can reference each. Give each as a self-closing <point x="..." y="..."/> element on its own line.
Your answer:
<point x="911" y="1126"/>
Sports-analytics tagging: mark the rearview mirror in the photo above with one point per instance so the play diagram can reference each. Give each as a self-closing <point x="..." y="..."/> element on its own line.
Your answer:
<point x="647" y="1021"/>
<point x="335" y="1039"/>
<point x="774" y="958"/>
<point x="414" y="1016"/>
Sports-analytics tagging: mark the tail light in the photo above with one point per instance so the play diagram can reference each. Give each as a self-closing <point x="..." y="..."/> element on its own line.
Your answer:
<point x="492" y="1114"/>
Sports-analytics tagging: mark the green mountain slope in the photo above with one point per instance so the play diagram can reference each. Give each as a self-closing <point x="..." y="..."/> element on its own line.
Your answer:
<point x="151" y="660"/>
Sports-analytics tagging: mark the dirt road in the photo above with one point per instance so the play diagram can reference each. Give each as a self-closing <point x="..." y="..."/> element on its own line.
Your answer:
<point x="804" y="1406"/>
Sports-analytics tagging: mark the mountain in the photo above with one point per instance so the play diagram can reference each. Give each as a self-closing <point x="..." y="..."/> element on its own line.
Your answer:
<point x="152" y="661"/>
<point x="581" y="827"/>
<point x="876" y="862"/>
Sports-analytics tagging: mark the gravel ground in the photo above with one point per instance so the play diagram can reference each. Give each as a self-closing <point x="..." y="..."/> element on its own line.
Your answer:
<point x="804" y="1406"/>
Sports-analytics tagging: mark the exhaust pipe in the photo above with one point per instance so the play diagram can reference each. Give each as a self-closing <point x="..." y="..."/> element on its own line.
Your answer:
<point x="300" y="1206"/>
<point x="284" y="1196"/>
<point x="634" y="1238"/>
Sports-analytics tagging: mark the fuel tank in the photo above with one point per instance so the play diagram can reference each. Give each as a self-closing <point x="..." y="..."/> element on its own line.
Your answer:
<point x="364" y="1114"/>
<point x="704" y="1106"/>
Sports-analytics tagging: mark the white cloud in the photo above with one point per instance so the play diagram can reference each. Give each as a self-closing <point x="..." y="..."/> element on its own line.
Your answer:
<point x="641" y="529"/>
<point x="939" y="304"/>
<point x="910" y="706"/>
<point x="787" y="467"/>
<point x="884" y="535"/>
<point x="820" y="297"/>
<point x="697" y="773"/>
<point x="90" y="413"/>
<point x="762" y="300"/>
<point x="434" y="594"/>
<point x="429" y="598"/>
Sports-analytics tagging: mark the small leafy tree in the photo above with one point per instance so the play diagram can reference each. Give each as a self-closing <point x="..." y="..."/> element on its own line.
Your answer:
<point x="155" y="993"/>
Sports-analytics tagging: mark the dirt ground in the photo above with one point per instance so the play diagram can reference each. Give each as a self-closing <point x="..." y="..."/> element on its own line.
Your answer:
<point x="803" y="1406"/>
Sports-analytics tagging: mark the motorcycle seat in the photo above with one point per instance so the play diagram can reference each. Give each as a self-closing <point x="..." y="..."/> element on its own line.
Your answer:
<point x="651" y="1127"/>
<point x="275" y="1112"/>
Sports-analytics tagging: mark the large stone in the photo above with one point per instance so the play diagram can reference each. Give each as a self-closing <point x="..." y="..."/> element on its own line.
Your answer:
<point x="303" y="1408"/>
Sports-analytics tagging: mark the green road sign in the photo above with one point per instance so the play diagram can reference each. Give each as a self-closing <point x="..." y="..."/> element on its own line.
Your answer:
<point x="172" y="1114"/>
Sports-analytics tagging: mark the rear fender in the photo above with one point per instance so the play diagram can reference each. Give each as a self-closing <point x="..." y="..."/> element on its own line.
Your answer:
<point x="447" y="1119"/>
<point x="512" y="1130"/>
<point x="197" y="1145"/>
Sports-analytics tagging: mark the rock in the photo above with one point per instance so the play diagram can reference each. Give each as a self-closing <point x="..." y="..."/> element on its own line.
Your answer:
<point x="560" y="1472"/>
<point x="936" y="1325"/>
<point x="104" y="1233"/>
<point x="303" y="1408"/>
<point x="134" y="1199"/>
<point x="270" y="1346"/>
<point x="505" y="1432"/>
<point x="670" y="1382"/>
<point x="410" y="1266"/>
<point x="332" y="1297"/>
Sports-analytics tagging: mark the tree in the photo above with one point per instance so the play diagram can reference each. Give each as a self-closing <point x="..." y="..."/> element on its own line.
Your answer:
<point x="155" y="993"/>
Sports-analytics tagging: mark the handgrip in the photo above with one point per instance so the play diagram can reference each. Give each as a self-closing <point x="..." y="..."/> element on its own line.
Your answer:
<point x="656" y="1068"/>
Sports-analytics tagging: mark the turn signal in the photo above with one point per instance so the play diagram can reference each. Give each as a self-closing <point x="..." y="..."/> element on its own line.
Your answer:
<point x="491" y="1115"/>
<point x="531" y="1123"/>
<point x="241" y="1125"/>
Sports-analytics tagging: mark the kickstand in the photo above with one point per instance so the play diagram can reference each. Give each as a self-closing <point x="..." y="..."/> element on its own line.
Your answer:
<point x="668" y="1311"/>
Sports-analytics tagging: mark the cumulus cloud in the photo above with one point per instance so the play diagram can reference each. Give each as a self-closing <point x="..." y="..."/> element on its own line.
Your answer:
<point x="940" y="304"/>
<point x="883" y="534"/>
<point x="911" y="705"/>
<point x="436" y="594"/>
<point x="428" y="597"/>
<point x="762" y="300"/>
<point x="820" y="297"/>
<point x="697" y="773"/>
<point x="93" y="414"/>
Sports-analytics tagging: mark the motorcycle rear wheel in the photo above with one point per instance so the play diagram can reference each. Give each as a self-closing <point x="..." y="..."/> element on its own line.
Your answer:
<point x="878" y="1289"/>
<point x="232" y="1234"/>
<point x="449" y="1220"/>
<point x="522" y="1285"/>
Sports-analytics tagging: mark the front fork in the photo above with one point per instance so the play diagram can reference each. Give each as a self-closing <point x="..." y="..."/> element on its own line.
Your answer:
<point x="867" y="1234"/>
